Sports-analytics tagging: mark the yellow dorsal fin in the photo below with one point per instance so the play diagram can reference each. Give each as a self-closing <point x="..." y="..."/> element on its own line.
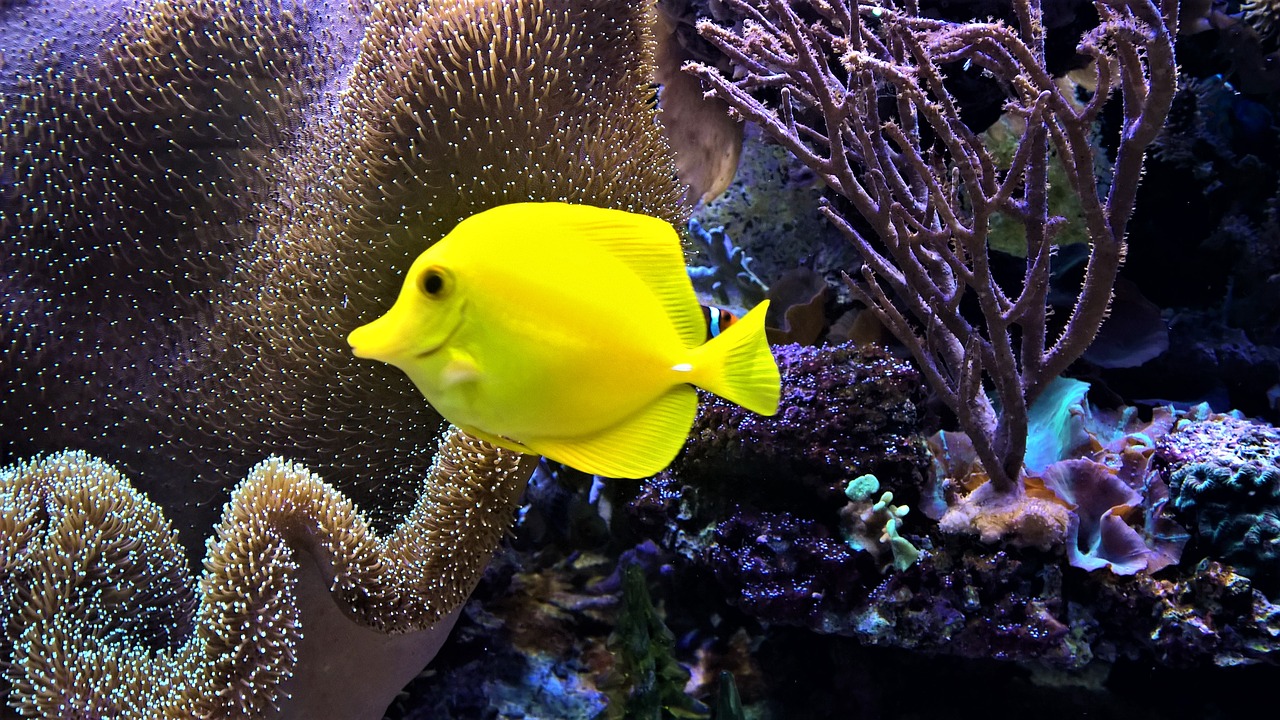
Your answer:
<point x="647" y="246"/>
<point x="639" y="446"/>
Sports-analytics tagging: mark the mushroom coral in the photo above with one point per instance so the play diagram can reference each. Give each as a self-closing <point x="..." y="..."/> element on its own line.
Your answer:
<point x="103" y="621"/>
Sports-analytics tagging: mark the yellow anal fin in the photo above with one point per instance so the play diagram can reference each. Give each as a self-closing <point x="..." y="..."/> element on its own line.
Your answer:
<point x="646" y="246"/>
<point x="637" y="447"/>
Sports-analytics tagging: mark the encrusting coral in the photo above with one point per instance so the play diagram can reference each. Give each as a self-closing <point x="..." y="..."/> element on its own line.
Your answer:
<point x="103" y="621"/>
<point x="1224" y="480"/>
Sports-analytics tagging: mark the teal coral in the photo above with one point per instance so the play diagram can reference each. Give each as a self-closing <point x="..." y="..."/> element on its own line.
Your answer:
<point x="101" y="607"/>
<point x="1056" y="423"/>
<point x="726" y="280"/>
<point x="871" y="524"/>
<point x="1224" y="478"/>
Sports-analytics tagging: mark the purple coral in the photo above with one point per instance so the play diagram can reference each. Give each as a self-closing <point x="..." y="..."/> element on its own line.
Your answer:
<point x="780" y="568"/>
<point x="757" y="499"/>
<point x="843" y="412"/>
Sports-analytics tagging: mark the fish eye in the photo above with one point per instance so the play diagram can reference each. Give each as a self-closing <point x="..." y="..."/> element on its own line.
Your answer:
<point x="434" y="283"/>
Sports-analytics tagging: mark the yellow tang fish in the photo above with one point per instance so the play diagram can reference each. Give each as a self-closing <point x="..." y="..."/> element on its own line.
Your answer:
<point x="508" y="327"/>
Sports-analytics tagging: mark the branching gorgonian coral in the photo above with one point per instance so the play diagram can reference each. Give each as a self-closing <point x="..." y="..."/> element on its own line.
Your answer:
<point x="861" y="98"/>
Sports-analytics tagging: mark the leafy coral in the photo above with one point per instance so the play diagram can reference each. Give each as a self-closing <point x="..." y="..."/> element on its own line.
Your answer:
<point x="1091" y="486"/>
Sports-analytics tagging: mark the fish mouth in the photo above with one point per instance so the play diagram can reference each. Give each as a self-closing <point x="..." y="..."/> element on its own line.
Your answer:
<point x="365" y="341"/>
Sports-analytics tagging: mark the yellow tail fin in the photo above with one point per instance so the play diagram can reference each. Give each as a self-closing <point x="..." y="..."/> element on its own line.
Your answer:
<point x="738" y="366"/>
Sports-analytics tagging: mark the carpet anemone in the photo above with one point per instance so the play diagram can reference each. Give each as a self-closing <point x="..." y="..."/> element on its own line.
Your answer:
<point x="104" y="621"/>
<point x="199" y="199"/>
<point x="198" y="210"/>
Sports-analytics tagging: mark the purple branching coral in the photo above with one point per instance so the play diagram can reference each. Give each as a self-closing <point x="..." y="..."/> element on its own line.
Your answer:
<point x="861" y="99"/>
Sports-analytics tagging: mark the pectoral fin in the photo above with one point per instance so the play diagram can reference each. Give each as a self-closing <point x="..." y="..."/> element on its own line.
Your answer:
<point x="461" y="368"/>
